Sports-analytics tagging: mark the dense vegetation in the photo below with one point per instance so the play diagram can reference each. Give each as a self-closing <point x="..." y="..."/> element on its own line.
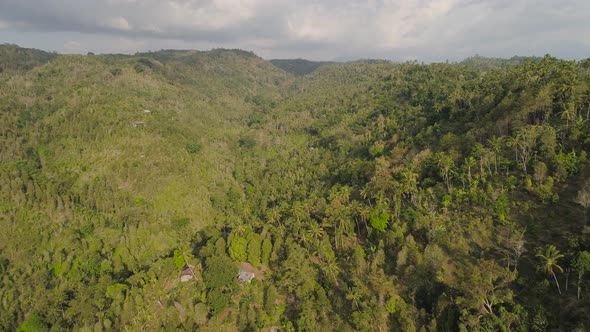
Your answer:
<point x="299" y="66"/>
<point x="368" y="196"/>
<point x="16" y="59"/>
<point x="486" y="64"/>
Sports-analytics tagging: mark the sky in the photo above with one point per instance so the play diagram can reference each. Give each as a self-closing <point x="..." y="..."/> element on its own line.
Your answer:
<point x="399" y="30"/>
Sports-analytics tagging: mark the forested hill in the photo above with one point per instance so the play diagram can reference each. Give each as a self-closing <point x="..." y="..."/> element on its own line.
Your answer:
<point x="14" y="58"/>
<point x="362" y="196"/>
<point x="299" y="66"/>
<point x="485" y="63"/>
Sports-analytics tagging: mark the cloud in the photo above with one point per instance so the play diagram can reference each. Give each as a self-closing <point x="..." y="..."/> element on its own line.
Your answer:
<point x="117" y="23"/>
<point x="396" y="29"/>
<point x="72" y="46"/>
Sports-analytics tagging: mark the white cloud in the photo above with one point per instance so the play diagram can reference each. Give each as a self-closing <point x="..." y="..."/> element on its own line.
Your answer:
<point x="117" y="23"/>
<point x="72" y="46"/>
<point x="427" y="29"/>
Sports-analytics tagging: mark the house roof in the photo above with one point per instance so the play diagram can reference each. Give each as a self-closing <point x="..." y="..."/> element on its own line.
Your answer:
<point x="245" y="276"/>
<point x="186" y="274"/>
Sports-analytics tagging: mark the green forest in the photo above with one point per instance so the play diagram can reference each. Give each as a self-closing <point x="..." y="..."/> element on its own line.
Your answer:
<point x="361" y="196"/>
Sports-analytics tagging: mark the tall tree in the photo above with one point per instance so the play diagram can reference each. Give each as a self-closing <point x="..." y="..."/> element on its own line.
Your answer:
<point x="582" y="265"/>
<point x="512" y="243"/>
<point x="446" y="167"/>
<point x="495" y="144"/>
<point x="470" y="162"/>
<point x="583" y="199"/>
<point x="484" y="286"/>
<point x="549" y="262"/>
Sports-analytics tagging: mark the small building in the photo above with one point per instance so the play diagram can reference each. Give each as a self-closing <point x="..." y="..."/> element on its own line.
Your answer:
<point x="245" y="276"/>
<point x="187" y="273"/>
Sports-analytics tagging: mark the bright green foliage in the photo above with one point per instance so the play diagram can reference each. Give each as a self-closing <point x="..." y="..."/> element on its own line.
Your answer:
<point x="502" y="207"/>
<point x="179" y="259"/>
<point x="238" y="247"/>
<point x="254" y="248"/>
<point x="116" y="291"/>
<point x="266" y="251"/>
<point x="582" y="263"/>
<point x="34" y="323"/>
<point x="379" y="220"/>
<point x="582" y="266"/>
<point x="394" y="304"/>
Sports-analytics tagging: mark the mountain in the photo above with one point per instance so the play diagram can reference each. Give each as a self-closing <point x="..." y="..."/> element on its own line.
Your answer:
<point x="212" y="190"/>
<point x="486" y="63"/>
<point x="299" y="66"/>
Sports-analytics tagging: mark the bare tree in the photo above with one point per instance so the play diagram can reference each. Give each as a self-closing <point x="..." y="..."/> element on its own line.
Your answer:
<point x="511" y="243"/>
<point x="583" y="199"/>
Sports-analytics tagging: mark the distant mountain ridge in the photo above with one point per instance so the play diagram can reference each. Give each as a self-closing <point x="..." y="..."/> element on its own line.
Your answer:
<point x="299" y="66"/>
<point x="16" y="58"/>
<point x="489" y="63"/>
<point x="302" y="67"/>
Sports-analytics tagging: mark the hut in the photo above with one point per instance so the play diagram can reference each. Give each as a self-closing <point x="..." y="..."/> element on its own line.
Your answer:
<point x="245" y="276"/>
<point x="187" y="273"/>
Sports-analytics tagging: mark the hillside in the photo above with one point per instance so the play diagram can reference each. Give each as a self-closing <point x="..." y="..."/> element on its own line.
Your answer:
<point x="362" y="196"/>
<point x="486" y="63"/>
<point x="299" y="66"/>
<point x="14" y="58"/>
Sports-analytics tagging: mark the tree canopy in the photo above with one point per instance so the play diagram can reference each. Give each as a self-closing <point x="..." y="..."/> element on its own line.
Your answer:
<point x="366" y="196"/>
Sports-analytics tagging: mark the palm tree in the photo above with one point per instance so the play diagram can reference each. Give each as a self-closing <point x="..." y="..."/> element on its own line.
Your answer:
<point x="273" y="215"/>
<point x="469" y="164"/>
<point x="315" y="231"/>
<point x="353" y="294"/>
<point x="568" y="114"/>
<point x="549" y="262"/>
<point x="445" y="167"/>
<point x="330" y="268"/>
<point x="299" y="211"/>
<point x="495" y="144"/>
